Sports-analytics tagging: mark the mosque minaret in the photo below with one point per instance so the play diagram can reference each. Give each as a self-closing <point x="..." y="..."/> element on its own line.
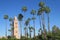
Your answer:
<point x="16" y="32"/>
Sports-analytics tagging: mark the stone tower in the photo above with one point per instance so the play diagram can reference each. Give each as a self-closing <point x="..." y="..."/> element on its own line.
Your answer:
<point x="16" y="32"/>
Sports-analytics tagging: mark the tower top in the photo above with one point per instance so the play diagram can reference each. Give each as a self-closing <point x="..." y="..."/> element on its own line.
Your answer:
<point x="15" y="18"/>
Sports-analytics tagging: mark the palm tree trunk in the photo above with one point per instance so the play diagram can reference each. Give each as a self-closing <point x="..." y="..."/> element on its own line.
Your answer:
<point x="20" y="29"/>
<point x="48" y="23"/>
<point x="11" y="29"/>
<point x="6" y="28"/>
<point x="30" y="33"/>
<point x="34" y="26"/>
<point x="27" y="31"/>
<point x="40" y="23"/>
<point x="43" y="23"/>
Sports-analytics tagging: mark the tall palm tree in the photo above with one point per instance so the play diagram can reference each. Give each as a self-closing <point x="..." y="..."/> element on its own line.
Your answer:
<point x="47" y="11"/>
<point x="42" y="7"/>
<point x="11" y="24"/>
<point x="6" y="17"/>
<point x="40" y="18"/>
<point x="33" y="12"/>
<point x="30" y="30"/>
<point x="41" y="10"/>
<point x="20" y="17"/>
<point x="29" y="19"/>
<point x="24" y="9"/>
<point x="27" y="23"/>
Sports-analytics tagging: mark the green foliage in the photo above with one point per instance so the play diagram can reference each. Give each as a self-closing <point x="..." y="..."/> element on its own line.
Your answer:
<point x="24" y="8"/>
<point x="41" y="10"/>
<point x="10" y="19"/>
<point x="47" y="9"/>
<point x="26" y="22"/>
<point x="41" y="4"/>
<point x="31" y="28"/>
<point x="20" y="16"/>
<point x="9" y="38"/>
<point x="5" y="16"/>
<point x="33" y="12"/>
<point x="33" y="18"/>
<point x="3" y="38"/>
<point x="29" y="19"/>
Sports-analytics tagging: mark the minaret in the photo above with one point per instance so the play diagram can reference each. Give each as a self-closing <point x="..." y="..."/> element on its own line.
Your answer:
<point x="16" y="34"/>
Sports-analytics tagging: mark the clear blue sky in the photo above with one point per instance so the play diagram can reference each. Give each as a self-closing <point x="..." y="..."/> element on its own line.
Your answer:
<point x="13" y="8"/>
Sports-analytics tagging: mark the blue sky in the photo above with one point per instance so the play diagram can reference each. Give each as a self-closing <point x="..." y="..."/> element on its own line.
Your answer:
<point x="13" y="8"/>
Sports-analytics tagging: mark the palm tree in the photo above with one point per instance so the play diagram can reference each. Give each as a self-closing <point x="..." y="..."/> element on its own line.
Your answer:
<point x="27" y="23"/>
<point x="24" y="9"/>
<point x="6" y="17"/>
<point x="47" y="11"/>
<point x="29" y="19"/>
<point x="40" y="11"/>
<point x="11" y="24"/>
<point x="40" y="18"/>
<point x="20" y="17"/>
<point x="41" y="14"/>
<point x="33" y="12"/>
<point x="42" y="7"/>
<point x="30" y="30"/>
<point x="43" y="24"/>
